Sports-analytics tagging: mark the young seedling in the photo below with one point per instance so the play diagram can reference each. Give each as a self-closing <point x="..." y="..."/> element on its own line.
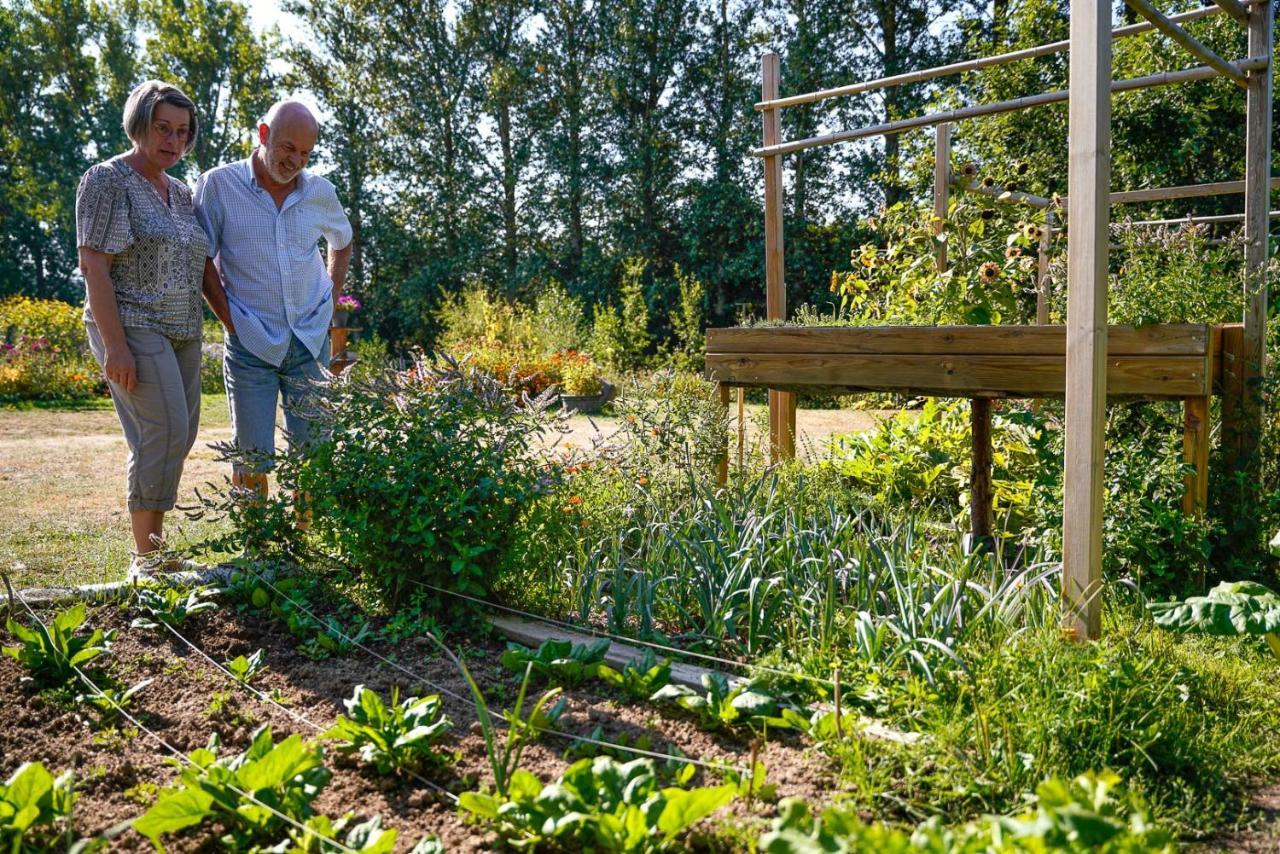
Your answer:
<point x="504" y="757"/>
<point x="639" y="679"/>
<point x="109" y="703"/>
<point x="171" y="605"/>
<point x="391" y="736"/>
<point x="243" y="670"/>
<point x="33" y="803"/>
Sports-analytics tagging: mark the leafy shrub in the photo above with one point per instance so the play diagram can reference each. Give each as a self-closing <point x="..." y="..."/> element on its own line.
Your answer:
<point x="53" y="652"/>
<point x="687" y="323"/>
<point x="61" y="324"/>
<point x="1090" y="814"/>
<point x="35" y="369"/>
<point x="34" y="806"/>
<point x="598" y="804"/>
<point x="620" y="339"/>
<point x="581" y="378"/>
<point x="559" y="661"/>
<point x="391" y="736"/>
<point x="241" y="791"/>
<point x="212" y="379"/>
<point x="420" y="477"/>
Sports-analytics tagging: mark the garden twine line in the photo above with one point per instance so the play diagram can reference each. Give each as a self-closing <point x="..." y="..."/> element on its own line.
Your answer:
<point x="182" y="757"/>
<point x="262" y="697"/>
<point x="623" y="638"/>
<point x="652" y="754"/>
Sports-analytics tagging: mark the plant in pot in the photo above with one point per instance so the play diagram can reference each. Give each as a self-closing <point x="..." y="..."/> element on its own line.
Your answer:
<point x="582" y="387"/>
<point x="345" y="306"/>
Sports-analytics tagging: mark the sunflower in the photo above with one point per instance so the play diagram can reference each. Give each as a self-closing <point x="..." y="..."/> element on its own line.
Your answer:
<point x="1032" y="231"/>
<point x="988" y="213"/>
<point x="868" y="256"/>
<point x="1011" y="186"/>
<point x="988" y="182"/>
<point x="969" y="170"/>
<point x="1012" y="252"/>
<point x="989" y="272"/>
<point x="1023" y="167"/>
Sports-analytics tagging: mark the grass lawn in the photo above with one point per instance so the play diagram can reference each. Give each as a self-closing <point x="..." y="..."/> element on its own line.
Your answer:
<point x="62" y="513"/>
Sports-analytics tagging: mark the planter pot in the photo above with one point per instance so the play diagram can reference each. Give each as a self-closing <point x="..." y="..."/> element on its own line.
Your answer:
<point x="587" y="404"/>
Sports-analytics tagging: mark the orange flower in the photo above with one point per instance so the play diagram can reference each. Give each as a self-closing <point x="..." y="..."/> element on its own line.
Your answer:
<point x="575" y="499"/>
<point x="642" y="480"/>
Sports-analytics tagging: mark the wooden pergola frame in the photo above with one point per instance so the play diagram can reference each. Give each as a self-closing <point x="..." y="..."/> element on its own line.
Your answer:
<point x="1087" y="209"/>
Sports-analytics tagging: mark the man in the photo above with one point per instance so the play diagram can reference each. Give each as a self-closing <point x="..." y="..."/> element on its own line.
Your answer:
<point x="265" y="216"/>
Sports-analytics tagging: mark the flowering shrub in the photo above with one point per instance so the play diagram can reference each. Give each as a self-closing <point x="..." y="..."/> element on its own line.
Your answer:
<point x="522" y="370"/>
<point x="348" y="303"/>
<point x="35" y="369"/>
<point x="59" y="322"/>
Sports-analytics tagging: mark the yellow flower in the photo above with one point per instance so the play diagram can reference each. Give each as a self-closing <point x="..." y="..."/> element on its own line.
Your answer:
<point x="989" y="272"/>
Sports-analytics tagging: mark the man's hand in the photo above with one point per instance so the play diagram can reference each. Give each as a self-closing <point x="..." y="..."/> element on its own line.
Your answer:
<point x="121" y="369"/>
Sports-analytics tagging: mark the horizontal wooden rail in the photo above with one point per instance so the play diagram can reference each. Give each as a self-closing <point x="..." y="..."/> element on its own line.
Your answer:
<point x="1187" y="191"/>
<point x="968" y="65"/>
<point x="1160" y="339"/>
<point x="1217" y="218"/>
<point x="1164" y="78"/>
<point x="1193" y="45"/>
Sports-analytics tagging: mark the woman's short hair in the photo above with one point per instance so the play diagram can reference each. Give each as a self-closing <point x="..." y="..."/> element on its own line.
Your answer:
<point x="141" y="107"/>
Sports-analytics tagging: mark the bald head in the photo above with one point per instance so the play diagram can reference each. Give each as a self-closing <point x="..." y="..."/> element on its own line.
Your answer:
<point x="287" y="136"/>
<point x="292" y="115"/>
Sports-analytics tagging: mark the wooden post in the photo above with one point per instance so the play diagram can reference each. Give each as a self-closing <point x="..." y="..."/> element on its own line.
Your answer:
<point x="742" y="425"/>
<point x="782" y="419"/>
<point x="1195" y="452"/>
<point x="1042" y="270"/>
<point x="722" y="465"/>
<point x="1089" y="187"/>
<point x="941" y="188"/>
<point x="981" y="523"/>
<point x="1246" y="433"/>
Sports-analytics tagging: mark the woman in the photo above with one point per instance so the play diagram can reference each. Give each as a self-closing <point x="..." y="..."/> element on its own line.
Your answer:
<point x="143" y="256"/>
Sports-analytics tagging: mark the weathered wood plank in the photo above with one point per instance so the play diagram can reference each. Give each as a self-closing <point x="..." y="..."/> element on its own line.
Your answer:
<point x="782" y="424"/>
<point x="958" y="375"/>
<point x="1049" y="340"/>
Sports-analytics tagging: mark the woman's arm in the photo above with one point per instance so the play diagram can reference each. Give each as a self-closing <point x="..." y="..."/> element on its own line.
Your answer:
<point x="216" y="295"/>
<point x="119" y="365"/>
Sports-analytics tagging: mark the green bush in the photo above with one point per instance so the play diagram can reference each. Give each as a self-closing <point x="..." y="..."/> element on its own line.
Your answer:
<point x="44" y="352"/>
<point x="420" y="477"/>
<point x="60" y="323"/>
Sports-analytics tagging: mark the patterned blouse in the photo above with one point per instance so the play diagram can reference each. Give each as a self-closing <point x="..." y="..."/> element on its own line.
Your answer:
<point x="158" y="250"/>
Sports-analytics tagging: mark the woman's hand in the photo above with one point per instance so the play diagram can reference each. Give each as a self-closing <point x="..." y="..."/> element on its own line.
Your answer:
<point x="121" y="369"/>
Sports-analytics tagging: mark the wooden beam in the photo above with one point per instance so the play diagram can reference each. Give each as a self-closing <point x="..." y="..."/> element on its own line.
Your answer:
<point x="1158" y="339"/>
<point x="958" y="375"/>
<point x="1159" y="194"/>
<point x="969" y="65"/>
<point x="1088" y="182"/>
<point x="781" y="431"/>
<point x="981" y="499"/>
<point x="1257" y="198"/>
<point x="1195" y="453"/>
<point x="722" y="465"/>
<point x="1201" y="220"/>
<point x="1164" y="78"/>
<point x="1042" y="270"/>
<point x="941" y="189"/>
<point x="1235" y="9"/>
<point x="1192" y="44"/>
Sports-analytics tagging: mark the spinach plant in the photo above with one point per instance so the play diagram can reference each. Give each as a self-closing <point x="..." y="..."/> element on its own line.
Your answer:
<point x="391" y="736"/>
<point x="241" y="791"/>
<point x="52" y="652"/>
<point x="33" y="803"/>
<point x="598" y="804"/>
<point x="558" y="661"/>
<point x="111" y="700"/>
<point x="319" y="832"/>
<point x="1231" y="608"/>
<point x="243" y="669"/>
<point x="724" y="705"/>
<point x="641" y="678"/>
<point x="171" y="605"/>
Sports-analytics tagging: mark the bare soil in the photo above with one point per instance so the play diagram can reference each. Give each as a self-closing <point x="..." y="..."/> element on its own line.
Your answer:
<point x="117" y="770"/>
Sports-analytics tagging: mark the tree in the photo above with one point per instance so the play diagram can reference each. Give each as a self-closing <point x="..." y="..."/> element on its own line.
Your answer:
<point x="208" y="49"/>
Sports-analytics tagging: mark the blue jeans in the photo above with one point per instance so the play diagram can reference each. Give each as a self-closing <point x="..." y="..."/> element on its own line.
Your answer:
<point x="254" y="388"/>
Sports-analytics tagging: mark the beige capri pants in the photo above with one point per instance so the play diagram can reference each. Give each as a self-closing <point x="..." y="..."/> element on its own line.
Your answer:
<point x="160" y="417"/>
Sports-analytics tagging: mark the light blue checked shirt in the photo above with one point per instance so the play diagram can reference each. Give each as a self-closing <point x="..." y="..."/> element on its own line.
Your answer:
<point x="269" y="259"/>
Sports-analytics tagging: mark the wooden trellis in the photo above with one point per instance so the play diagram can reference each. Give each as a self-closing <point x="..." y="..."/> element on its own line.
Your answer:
<point x="1085" y="360"/>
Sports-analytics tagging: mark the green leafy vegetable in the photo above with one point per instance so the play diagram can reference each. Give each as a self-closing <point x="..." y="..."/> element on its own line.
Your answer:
<point x="598" y="804"/>
<point x="1231" y="608"/>
<point x="52" y="652"/>
<point x="558" y="661"/>
<point x="243" y="792"/>
<point x="245" y="669"/>
<point x="109" y="703"/>
<point x="32" y="805"/>
<point x="172" y="605"/>
<point x="504" y="757"/>
<point x="394" y="736"/>
<point x="641" y="678"/>
<point x="726" y="706"/>
<point x="321" y="831"/>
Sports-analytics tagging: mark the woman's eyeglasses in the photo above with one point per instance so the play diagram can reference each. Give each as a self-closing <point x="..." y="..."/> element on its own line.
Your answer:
<point x="165" y="131"/>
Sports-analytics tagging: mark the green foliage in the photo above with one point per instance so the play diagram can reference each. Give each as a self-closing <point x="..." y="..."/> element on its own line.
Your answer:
<point x="1092" y="813"/>
<point x="44" y="352"/>
<point x="60" y="323"/>
<point x="1232" y="608"/>
<point x="607" y="342"/>
<point x="504" y="756"/>
<point x="687" y="322"/>
<point x="319" y="832"/>
<point x="51" y="653"/>
<point x="34" y="808"/>
<point x="244" y="793"/>
<point x="598" y="804"/>
<point x="635" y="314"/>
<point x="420" y="478"/>
<point x="726" y="705"/>
<point x="111" y="700"/>
<point x="639" y="678"/>
<point x="391" y="737"/>
<point x="559" y="661"/>
<point x="243" y="669"/>
<point x="172" y="605"/>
